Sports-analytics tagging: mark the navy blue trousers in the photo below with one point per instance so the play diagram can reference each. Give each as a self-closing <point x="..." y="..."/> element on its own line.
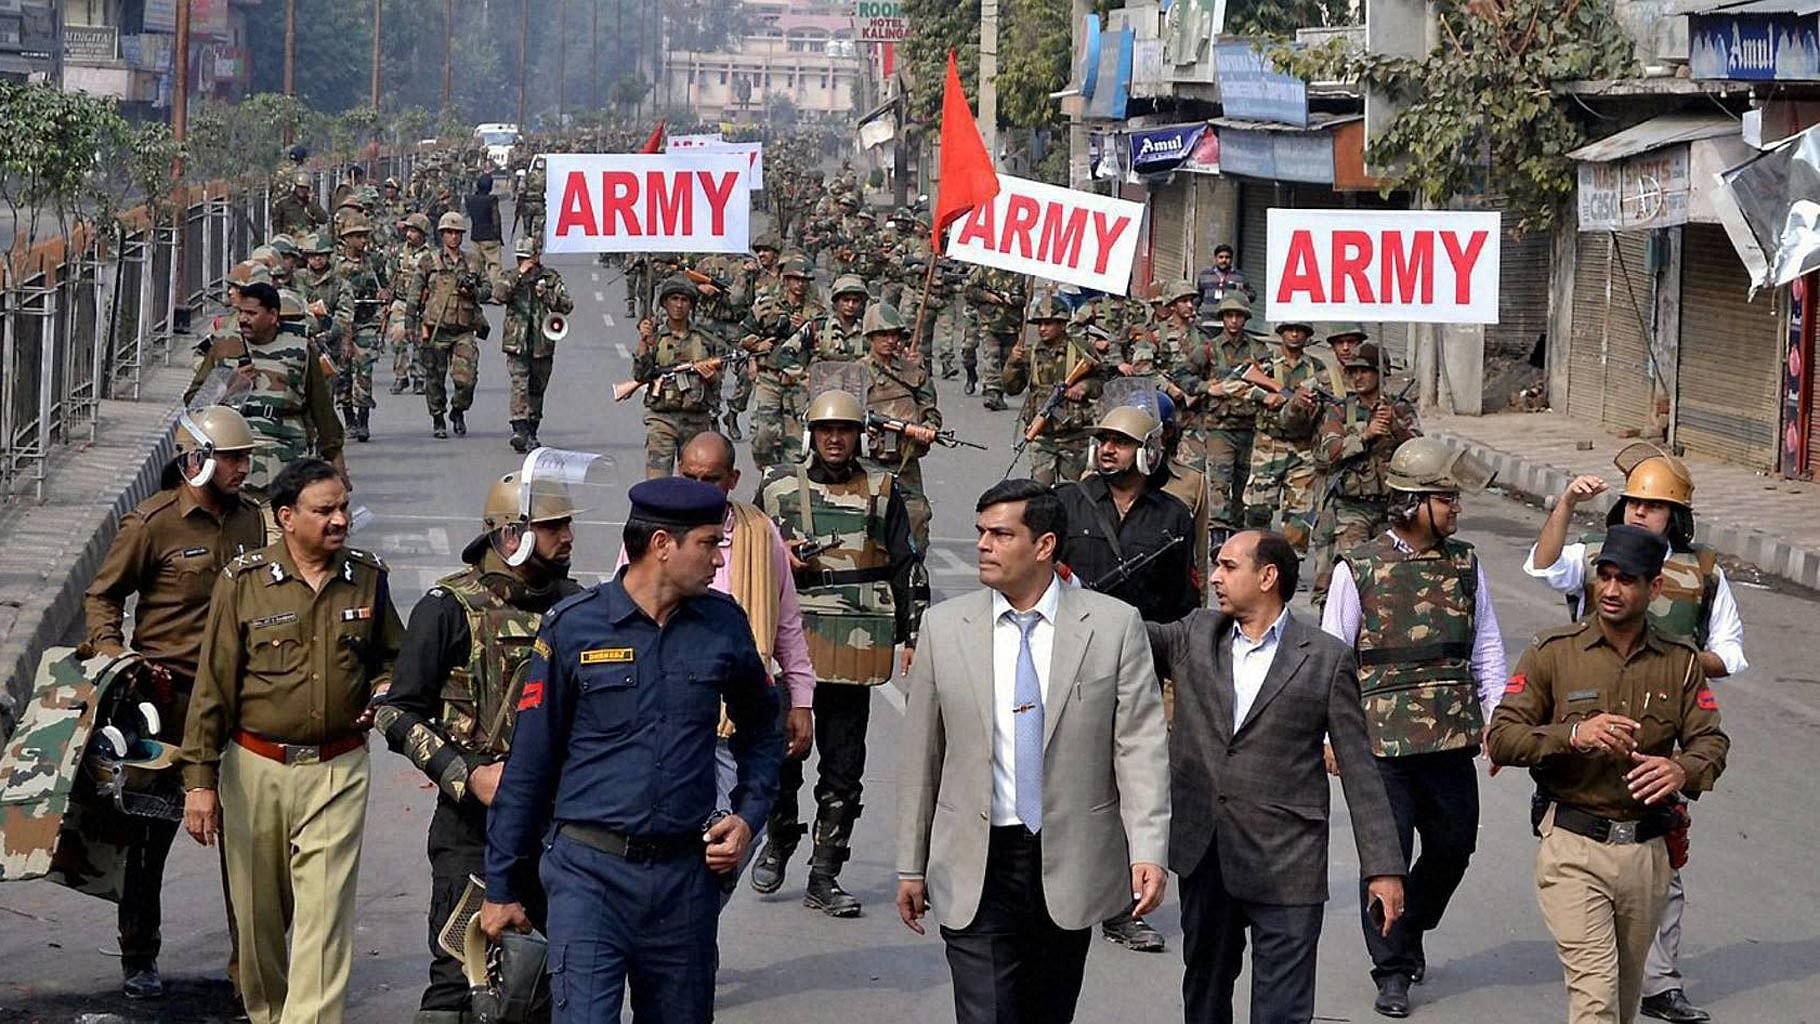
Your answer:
<point x="614" y="923"/>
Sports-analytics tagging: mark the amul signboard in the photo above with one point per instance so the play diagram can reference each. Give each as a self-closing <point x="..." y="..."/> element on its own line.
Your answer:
<point x="881" y="21"/>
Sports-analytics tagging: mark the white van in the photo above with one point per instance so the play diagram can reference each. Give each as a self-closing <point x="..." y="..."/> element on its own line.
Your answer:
<point x="498" y="138"/>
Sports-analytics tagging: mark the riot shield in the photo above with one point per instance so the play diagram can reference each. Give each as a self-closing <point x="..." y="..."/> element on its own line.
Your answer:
<point x="555" y="484"/>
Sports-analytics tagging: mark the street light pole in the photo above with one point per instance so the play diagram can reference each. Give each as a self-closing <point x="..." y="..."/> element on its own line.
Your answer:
<point x="448" y="54"/>
<point x="594" y="60"/>
<point x="524" y="30"/>
<point x="290" y="57"/>
<point x="378" y="12"/>
<point x="562" y="59"/>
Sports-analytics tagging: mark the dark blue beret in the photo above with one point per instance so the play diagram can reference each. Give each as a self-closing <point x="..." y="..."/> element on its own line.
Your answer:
<point x="676" y="501"/>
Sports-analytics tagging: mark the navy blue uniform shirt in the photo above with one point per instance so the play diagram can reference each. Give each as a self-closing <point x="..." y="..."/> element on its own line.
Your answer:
<point x="617" y="725"/>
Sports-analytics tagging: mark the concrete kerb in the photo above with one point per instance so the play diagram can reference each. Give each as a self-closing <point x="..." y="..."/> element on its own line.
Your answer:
<point x="1544" y="484"/>
<point x="57" y="604"/>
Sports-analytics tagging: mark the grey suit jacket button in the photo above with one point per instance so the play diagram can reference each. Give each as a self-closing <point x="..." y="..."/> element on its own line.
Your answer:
<point x="984" y="817"/>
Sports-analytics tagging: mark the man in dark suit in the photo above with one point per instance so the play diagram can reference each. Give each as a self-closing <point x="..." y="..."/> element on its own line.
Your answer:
<point x="1249" y="832"/>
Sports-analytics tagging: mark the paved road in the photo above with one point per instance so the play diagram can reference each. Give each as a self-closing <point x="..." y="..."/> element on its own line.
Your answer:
<point x="1753" y="946"/>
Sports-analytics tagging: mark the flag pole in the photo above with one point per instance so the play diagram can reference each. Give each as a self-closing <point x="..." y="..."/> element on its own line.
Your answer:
<point x="922" y="305"/>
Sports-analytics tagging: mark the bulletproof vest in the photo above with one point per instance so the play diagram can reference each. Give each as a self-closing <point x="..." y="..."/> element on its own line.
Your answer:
<point x="274" y="407"/>
<point x="479" y="700"/>
<point x="773" y="320"/>
<point x="361" y="277"/>
<point x="891" y="395"/>
<point x="1363" y="478"/>
<point x="1416" y="627"/>
<point x="1308" y="368"/>
<point x="837" y="342"/>
<point x="1689" y="581"/>
<point x="849" y="613"/>
<point x="446" y="306"/>
<point x="999" y="319"/>
<point x="1220" y="412"/>
<point x="683" y="392"/>
<point x="1050" y="364"/>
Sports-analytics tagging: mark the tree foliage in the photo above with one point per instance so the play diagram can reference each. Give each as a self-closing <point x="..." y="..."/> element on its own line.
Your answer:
<point x="1036" y="42"/>
<point x="58" y="153"/>
<point x="937" y="26"/>
<point x="1479" y="116"/>
<point x="1280" y="18"/>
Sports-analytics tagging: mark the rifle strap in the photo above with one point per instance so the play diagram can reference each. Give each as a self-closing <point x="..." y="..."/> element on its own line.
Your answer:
<point x="1106" y="525"/>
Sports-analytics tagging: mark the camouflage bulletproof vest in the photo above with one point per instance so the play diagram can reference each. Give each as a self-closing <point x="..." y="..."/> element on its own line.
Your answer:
<point x="446" y="306"/>
<point x="773" y="319"/>
<point x="1363" y="477"/>
<point x="1689" y="580"/>
<point x="363" y="277"/>
<point x="480" y="697"/>
<point x="682" y="392"/>
<point x="1415" y="646"/>
<point x="274" y="408"/>
<point x="1050" y="364"/>
<point x="1308" y="368"/>
<point x="1222" y="357"/>
<point x="849" y="613"/>
<point x="836" y="342"/>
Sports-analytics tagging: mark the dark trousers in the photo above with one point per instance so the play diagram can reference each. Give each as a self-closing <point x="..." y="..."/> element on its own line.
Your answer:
<point x="458" y="848"/>
<point x="842" y="712"/>
<point x="1435" y="796"/>
<point x="1283" y="943"/>
<point x="1012" y="964"/>
<point x="141" y="890"/>
<point x="615" y="924"/>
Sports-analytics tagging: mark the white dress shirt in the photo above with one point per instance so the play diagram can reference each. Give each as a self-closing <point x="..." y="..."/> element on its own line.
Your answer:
<point x="1489" y="667"/>
<point x="1724" y="628"/>
<point x="1251" y="660"/>
<point x="1006" y="640"/>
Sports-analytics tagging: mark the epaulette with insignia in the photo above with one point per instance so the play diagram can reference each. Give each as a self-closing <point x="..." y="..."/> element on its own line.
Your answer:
<point x="566" y="603"/>
<point x="366" y="558"/>
<point x="1560" y="633"/>
<point x="250" y="560"/>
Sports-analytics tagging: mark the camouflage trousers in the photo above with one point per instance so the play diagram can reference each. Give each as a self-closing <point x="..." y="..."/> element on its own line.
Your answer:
<point x="916" y="499"/>
<point x="494" y="255"/>
<point x="354" y="383"/>
<point x="994" y="348"/>
<point x="1343" y="525"/>
<point x="1283" y="478"/>
<point x="777" y="429"/>
<point x="401" y="339"/>
<point x="742" y="388"/>
<point x="945" y="334"/>
<point x="665" y="435"/>
<point x="450" y="358"/>
<point x="530" y="378"/>
<point x="969" y="335"/>
<point x="1225" y="456"/>
<point x="1056" y="460"/>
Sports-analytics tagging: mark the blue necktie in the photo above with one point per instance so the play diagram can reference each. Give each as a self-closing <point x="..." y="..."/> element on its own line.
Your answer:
<point x="1027" y="727"/>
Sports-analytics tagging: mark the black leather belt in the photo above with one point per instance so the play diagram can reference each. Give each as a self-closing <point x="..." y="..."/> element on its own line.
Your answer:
<point x="842" y="577"/>
<point x="1605" y="830"/>
<point x="637" y="849"/>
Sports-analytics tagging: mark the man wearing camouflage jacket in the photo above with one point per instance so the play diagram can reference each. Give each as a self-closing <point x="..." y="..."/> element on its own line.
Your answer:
<point x="530" y="292"/>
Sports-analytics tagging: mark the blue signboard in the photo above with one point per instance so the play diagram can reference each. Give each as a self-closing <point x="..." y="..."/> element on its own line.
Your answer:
<point x="1251" y="90"/>
<point x="1112" y="87"/>
<point x="1283" y="156"/>
<point x="1754" y="47"/>
<point x="1162" y="150"/>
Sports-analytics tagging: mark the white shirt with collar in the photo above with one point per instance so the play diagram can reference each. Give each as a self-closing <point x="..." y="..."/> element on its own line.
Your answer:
<point x="1006" y="640"/>
<point x="1251" y="661"/>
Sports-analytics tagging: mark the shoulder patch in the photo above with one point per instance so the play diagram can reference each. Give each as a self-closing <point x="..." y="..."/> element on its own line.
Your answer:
<point x="1706" y="700"/>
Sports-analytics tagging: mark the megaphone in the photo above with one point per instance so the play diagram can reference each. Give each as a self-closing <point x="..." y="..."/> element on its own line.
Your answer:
<point x="555" y="326"/>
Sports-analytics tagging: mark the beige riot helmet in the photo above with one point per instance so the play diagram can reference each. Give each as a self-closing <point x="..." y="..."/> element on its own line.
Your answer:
<point x="1429" y="465"/>
<point x="553" y="485"/>
<point x="1131" y="410"/>
<point x="204" y="431"/>
<point x="835" y="407"/>
<point x="1652" y="474"/>
<point x="452" y="221"/>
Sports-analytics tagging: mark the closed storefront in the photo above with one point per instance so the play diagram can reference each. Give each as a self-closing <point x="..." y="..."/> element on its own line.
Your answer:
<point x="1255" y="200"/>
<point x="1611" y="378"/>
<point x="1728" y="405"/>
<point x="1522" y="297"/>
<point x="1170" y="226"/>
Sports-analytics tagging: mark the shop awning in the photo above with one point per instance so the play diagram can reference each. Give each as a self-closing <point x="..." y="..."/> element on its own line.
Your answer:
<point x="1657" y="174"/>
<point x="1656" y="133"/>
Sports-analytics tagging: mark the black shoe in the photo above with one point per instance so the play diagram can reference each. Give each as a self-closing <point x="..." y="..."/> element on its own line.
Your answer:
<point x="438" y="428"/>
<point x="733" y="433"/>
<point x="1393" y="996"/>
<point x="994" y="401"/>
<point x="534" y="442"/>
<point x="461" y="425"/>
<point x="826" y="895"/>
<point x="768" y="869"/>
<point x="144" y="984"/>
<point x="1133" y="933"/>
<point x="360" y="425"/>
<point x="1673" y="1006"/>
<point x="418" y="387"/>
<point x="399" y="386"/>
<point x="973" y="381"/>
<point x="949" y="372"/>
<point x="1420" y="974"/>
<point x="521" y="436"/>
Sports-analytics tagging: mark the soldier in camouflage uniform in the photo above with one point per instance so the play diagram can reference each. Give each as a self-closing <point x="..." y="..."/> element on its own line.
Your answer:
<point x="1059" y="453"/>
<point x="330" y="304"/>
<point x="762" y="281"/>
<point x="1352" y="450"/>
<point x="1154" y="354"/>
<point x="446" y="289"/>
<point x="528" y="203"/>
<point x="297" y="212"/>
<point x="900" y="390"/>
<point x="1283" y="475"/>
<point x="723" y="301"/>
<point x="365" y="277"/>
<point x="684" y="390"/>
<point x="778" y="372"/>
<point x="1415" y="604"/>
<point x="401" y="330"/>
<point x="859" y="599"/>
<point x="999" y="297"/>
<point x="456" y="684"/>
<point x="290" y="406"/>
<point x="835" y="336"/>
<point x="1221" y="420"/>
<point x="530" y="292"/>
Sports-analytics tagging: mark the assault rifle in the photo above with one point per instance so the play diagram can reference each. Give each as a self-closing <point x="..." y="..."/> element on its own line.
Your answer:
<point x="945" y="438"/>
<point x="1040" y="421"/>
<point x="1122" y="573"/>
<point x="627" y="388"/>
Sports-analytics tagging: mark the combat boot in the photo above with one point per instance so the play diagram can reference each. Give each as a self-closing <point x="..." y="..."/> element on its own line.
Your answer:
<point x="948" y="370"/>
<point x="399" y="384"/>
<point x="360" y="425"/>
<point x="833" y="831"/>
<point x="973" y="381"/>
<point x="780" y="844"/>
<point x="732" y="420"/>
<point x="521" y="436"/>
<point x="535" y="443"/>
<point x="144" y="983"/>
<point x="438" y="428"/>
<point x="459" y="422"/>
<point x="994" y="401"/>
<point x="826" y="895"/>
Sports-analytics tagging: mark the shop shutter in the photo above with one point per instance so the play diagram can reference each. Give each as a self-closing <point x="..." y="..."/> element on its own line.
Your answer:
<point x="1255" y="200"/>
<point x="1731" y="356"/>
<point x="1522" y="296"/>
<point x="1169" y="227"/>
<point x="1609" y="380"/>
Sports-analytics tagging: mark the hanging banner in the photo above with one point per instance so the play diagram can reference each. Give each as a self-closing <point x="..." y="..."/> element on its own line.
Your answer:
<point x="1156" y="151"/>
<point x="1411" y="266"/>
<point x="633" y="202"/>
<point x="754" y="152"/>
<point x="1054" y="233"/>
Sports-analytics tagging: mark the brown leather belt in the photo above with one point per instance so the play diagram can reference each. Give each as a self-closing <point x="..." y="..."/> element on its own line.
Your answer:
<point x="298" y="753"/>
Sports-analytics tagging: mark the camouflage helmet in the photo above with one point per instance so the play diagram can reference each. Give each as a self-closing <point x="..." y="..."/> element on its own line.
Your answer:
<point x="391" y="183"/>
<point x="1365" y="357"/>
<point x="766" y="242"/>
<point x="1284" y="325"/>
<point x="1427" y="465"/>
<point x="881" y="318"/>
<point x="316" y="243"/>
<point x="835" y="407"/>
<point x="1349" y="329"/>
<point x="302" y="179"/>
<point x="849" y="284"/>
<point x="216" y="428"/>
<point x="418" y="221"/>
<point x="1047" y="307"/>
<point x="550" y="501"/>
<point x="1179" y="290"/>
<point x="866" y="212"/>
<point x="351" y="201"/>
<point x="902" y="214"/>
<point x="798" y="266"/>
<point x="1234" y="302"/>
<point x="525" y="249"/>
<point x="847" y="200"/>
<point x="677" y="285"/>
<point x="356" y="225"/>
<point x="284" y="245"/>
<point x="290" y="305"/>
<point x="1652" y="474"/>
<point x="452" y="221"/>
<point x="249" y="271"/>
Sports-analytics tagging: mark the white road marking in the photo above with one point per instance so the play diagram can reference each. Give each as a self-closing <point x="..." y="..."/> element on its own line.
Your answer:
<point x="944" y="562"/>
<point x="600" y="296"/>
<point x="620" y="347"/>
<point x="608" y="317"/>
<point x="594" y="275"/>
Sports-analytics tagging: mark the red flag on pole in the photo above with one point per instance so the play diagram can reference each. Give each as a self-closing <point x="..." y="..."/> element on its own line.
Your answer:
<point x="967" y="176"/>
<point x="655" y="143"/>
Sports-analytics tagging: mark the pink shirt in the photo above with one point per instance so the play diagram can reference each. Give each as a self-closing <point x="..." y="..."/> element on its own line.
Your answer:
<point x="788" y="648"/>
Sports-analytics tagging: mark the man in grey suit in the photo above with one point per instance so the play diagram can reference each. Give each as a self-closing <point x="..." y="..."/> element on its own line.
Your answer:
<point x="1256" y="692"/>
<point x="1066" y="822"/>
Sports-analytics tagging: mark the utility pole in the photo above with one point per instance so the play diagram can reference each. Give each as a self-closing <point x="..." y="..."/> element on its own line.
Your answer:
<point x="290" y="56"/>
<point x="448" y="55"/>
<point x="378" y="11"/>
<point x="989" y="77"/>
<point x="180" y="77"/>
<point x="524" y="31"/>
<point x="562" y="59"/>
<point x="594" y="60"/>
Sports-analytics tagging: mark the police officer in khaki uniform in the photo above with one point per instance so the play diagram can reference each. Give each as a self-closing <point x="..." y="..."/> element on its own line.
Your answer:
<point x="169" y="551"/>
<point x="1613" y="718"/>
<point x="460" y="673"/>
<point x="301" y="635"/>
